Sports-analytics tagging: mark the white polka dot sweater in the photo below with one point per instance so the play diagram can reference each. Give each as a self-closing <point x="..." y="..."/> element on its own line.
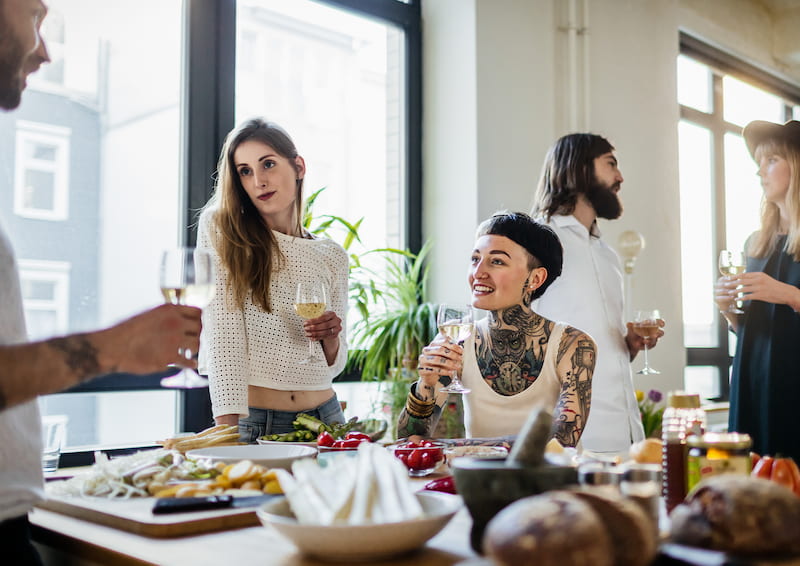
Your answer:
<point x="252" y="347"/>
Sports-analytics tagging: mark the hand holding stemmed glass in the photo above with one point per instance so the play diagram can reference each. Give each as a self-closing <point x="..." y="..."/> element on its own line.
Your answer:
<point x="455" y="322"/>
<point x="186" y="278"/>
<point x="646" y="324"/>
<point x="310" y="302"/>
<point x="731" y="264"/>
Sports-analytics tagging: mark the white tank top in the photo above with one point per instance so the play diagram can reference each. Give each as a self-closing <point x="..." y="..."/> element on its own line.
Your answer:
<point x="489" y="414"/>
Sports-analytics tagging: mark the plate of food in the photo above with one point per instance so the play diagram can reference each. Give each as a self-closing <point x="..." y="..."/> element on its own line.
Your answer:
<point x="278" y="455"/>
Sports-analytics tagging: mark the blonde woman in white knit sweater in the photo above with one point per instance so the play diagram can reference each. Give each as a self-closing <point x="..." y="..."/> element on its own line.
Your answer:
<point x="253" y="341"/>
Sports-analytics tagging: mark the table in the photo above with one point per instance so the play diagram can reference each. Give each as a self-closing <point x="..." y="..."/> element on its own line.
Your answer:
<point x="63" y="539"/>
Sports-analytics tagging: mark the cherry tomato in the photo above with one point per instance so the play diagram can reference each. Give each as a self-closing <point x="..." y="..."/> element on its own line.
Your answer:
<point x="796" y="475"/>
<point x="445" y="485"/>
<point x="354" y="435"/>
<point x="754" y="458"/>
<point x="426" y="443"/>
<point x="353" y="443"/>
<point x="782" y="472"/>
<point x="763" y="468"/>
<point x="426" y="460"/>
<point x="415" y="460"/>
<point x="325" y="439"/>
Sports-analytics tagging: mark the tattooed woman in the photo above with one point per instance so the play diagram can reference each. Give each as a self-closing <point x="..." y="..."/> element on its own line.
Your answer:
<point x="516" y="359"/>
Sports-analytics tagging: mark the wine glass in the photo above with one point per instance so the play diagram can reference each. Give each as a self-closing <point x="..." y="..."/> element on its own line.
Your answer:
<point x="645" y="324"/>
<point x="310" y="302"/>
<point x="732" y="263"/>
<point x="187" y="278"/>
<point x="455" y="322"/>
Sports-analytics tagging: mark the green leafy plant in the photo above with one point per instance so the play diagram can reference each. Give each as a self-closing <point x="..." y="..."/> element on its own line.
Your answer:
<point x="652" y="411"/>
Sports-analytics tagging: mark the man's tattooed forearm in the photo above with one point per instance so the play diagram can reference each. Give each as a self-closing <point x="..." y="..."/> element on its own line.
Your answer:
<point x="79" y="354"/>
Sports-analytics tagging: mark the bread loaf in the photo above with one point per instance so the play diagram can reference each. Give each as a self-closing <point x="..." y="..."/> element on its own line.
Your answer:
<point x="552" y="529"/>
<point x="741" y="515"/>
<point x="632" y="535"/>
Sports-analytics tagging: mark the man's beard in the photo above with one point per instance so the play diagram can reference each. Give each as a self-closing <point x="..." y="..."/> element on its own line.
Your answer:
<point x="604" y="200"/>
<point x="12" y="60"/>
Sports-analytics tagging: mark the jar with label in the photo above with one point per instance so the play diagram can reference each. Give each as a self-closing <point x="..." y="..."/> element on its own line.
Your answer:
<point x="713" y="454"/>
<point x="683" y="418"/>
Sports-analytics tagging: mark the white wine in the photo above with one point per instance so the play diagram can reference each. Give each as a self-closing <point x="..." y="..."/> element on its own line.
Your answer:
<point x="731" y="269"/>
<point x="457" y="332"/>
<point x="192" y="295"/>
<point x="309" y="310"/>
<point x="646" y="329"/>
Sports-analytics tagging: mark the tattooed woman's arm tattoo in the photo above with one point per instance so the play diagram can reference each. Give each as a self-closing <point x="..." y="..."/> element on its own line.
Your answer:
<point x="575" y="364"/>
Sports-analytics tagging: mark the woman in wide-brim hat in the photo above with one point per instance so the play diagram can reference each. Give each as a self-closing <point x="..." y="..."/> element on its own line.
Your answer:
<point x="765" y="383"/>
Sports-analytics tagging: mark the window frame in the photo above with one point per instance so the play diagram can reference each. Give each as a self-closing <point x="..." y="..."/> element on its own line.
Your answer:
<point x="722" y="63"/>
<point x="56" y="272"/>
<point x="209" y="91"/>
<point x="59" y="137"/>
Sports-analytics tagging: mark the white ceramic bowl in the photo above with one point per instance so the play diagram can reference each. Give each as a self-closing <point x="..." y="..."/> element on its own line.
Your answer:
<point x="270" y="456"/>
<point x="350" y="543"/>
<point x="279" y="443"/>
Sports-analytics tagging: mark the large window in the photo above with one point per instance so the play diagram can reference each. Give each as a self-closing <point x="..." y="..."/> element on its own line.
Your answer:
<point x="113" y="151"/>
<point x="720" y="192"/>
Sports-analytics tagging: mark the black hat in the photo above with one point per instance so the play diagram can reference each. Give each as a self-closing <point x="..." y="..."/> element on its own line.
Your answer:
<point x="759" y="131"/>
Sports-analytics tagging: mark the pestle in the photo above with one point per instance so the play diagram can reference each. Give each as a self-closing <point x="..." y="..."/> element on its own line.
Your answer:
<point x="528" y="449"/>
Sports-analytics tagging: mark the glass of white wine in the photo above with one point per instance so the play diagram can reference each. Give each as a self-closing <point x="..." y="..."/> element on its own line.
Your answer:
<point x="455" y="322"/>
<point x="732" y="263"/>
<point x="187" y="278"/>
<point x="645" y="324"/>
<point x="310" y="302"/>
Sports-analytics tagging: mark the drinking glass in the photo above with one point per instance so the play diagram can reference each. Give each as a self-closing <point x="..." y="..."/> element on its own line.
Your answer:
<point x="645" y="324"/>
<point x="187" y="278"/>
<point x="732" y="263"/>
<point x="310" y="302"/>
<point x="455" y="322"/>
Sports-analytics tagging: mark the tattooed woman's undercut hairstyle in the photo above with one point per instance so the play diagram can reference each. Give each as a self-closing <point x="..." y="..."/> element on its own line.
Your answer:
<point x="540" y="241"/>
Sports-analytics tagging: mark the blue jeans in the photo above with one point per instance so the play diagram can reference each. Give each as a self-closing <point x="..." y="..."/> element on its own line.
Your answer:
<point x="270" y="421"/>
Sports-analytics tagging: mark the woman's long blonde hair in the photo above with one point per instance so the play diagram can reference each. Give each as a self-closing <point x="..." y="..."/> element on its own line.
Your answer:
<point x="763" y="242"/>
<point x="246" y="245"/>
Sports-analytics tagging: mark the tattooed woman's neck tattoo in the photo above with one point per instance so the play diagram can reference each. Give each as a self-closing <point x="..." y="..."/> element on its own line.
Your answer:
<point x="511" y="354"/>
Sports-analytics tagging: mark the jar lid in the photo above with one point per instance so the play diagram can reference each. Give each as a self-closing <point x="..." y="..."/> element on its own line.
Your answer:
<point x="721" y="440"/>
<point x="683" y="400"/>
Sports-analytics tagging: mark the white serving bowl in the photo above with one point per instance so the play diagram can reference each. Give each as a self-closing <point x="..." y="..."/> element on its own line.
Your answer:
<point x="349" y="543"/>
<point x="268" y="455"/>
<point x="313" y="443"/>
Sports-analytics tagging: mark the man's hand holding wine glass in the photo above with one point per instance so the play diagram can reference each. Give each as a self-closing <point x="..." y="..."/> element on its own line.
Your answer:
<point x="152" y="340"/>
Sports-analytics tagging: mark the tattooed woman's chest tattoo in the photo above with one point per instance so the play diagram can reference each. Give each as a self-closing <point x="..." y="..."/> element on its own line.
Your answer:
<point x="510" y="352"/>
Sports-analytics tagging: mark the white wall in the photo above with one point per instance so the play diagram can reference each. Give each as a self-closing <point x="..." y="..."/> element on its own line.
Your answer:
<point x="498" y="92"/>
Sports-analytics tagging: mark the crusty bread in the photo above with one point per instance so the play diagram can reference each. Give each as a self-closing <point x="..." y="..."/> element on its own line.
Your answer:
<point x="741" y="515"/>
<point x="633" y="537"/>
<point x="553" y="529"/>
<point x="647" y="451"/>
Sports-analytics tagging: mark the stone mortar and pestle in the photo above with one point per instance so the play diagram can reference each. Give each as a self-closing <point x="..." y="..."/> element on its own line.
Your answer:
<point x="487" y="485"/>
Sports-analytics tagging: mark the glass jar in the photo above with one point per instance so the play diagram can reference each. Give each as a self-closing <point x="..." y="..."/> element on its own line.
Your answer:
<point x="717" y="453"/>
<point x="683" y="418"/>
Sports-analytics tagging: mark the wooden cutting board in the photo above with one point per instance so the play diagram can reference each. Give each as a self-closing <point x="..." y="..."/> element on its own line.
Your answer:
<point x="135" y="515"/>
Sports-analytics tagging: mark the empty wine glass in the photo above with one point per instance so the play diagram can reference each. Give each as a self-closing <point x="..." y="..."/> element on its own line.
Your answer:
<point x="310" y="302"/>
<point x="455" y="322"/>
<point x="186" y="278"/>
<point x="645" y="324"/>
<point x="732" y="263"/>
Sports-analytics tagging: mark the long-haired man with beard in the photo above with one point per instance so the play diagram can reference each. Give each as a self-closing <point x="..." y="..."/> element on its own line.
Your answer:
<point x="580" y="182"/>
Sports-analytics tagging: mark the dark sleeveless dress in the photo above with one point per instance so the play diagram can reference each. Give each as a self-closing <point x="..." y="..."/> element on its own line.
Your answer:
<point x="765" y="383"/>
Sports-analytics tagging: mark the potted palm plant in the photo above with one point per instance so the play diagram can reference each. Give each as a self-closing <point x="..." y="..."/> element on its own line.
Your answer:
<point x="388" y="289"/>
